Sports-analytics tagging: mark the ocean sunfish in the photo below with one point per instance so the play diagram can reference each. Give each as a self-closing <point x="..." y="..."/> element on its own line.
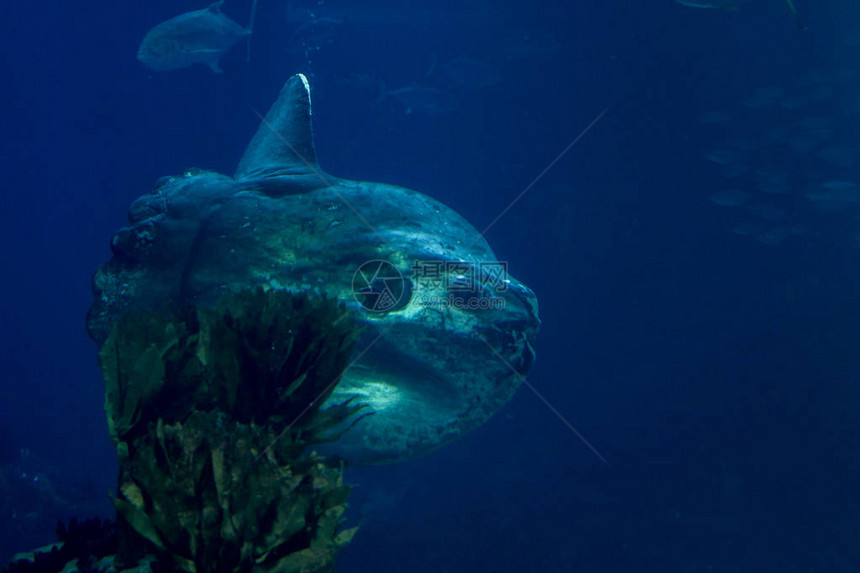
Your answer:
<point x="197" y="37"/>
<point x="447" y="334"/>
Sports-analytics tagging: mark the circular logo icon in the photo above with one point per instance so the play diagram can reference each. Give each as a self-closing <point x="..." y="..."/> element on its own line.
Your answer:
<point x="379" y="287"/>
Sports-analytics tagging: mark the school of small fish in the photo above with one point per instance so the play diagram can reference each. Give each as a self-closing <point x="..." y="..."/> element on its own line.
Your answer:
<point x="787" y="162"/>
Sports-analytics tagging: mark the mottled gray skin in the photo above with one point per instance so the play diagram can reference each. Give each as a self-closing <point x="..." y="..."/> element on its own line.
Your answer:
<point x="429" y="373"/>
<point x="198" y="37"/>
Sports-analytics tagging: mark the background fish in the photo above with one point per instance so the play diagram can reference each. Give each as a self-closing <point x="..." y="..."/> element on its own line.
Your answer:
<point x="720" y="4"/>
<point x="735" y="4"/>
<point x="197" y="37"/>
<point x="426" y="100"/>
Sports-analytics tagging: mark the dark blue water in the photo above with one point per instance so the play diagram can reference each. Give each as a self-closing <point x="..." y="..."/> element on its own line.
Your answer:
<point x="716" y="371"/>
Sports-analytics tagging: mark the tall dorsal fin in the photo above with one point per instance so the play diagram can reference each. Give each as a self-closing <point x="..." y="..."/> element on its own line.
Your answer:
<point x="284" y="142"/>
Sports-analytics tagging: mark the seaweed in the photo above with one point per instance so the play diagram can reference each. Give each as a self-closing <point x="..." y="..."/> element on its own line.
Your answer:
<point x="212" y="412"/>
<point x="87" y="542"/>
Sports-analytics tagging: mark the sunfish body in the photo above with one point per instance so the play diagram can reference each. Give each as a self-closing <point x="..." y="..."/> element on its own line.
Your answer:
<point x="447" y="334"/>
<point x="198" y="37"/>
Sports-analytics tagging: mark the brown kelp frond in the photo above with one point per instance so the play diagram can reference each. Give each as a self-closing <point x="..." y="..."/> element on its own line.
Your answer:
<point x="212" y="411"/>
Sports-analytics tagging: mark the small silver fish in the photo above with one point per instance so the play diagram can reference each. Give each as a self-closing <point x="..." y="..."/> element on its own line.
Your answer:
<point x="718" y="4"/>
<point x="197" y="37"/>
<point x="735" y="5"/>
<point x="427" y="101"/>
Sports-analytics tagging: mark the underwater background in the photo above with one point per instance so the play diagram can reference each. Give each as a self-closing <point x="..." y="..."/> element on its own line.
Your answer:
<point x="696" y="255"/>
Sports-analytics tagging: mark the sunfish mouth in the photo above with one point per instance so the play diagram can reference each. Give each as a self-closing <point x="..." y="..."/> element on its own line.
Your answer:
<point x="432" y="372"/>
<point x="448" y="334"/>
